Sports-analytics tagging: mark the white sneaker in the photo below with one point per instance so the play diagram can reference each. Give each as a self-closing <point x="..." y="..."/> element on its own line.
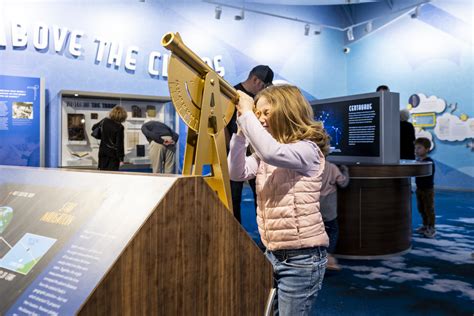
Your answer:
<point x="332" y="264"/>
<point x="421" y="229"/>
<point x="430" y="232"/>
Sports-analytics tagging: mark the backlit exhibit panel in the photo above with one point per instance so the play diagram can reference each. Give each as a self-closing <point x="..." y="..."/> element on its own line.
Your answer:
<point x="60" y="231"/>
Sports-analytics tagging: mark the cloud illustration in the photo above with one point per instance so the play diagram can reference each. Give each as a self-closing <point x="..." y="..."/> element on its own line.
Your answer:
<point x="451" y="128"/>
<point x="420" y="132"/>
<point x="420" y="103"/>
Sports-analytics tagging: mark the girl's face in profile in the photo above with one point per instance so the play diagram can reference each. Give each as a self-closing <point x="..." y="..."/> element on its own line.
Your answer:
<point x="264" y="111"/>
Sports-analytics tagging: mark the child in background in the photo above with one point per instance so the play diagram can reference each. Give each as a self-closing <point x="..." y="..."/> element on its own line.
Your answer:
<point x="425" y="190"/>
<point x="332" y="178"/>
<point x="287" y="165"/>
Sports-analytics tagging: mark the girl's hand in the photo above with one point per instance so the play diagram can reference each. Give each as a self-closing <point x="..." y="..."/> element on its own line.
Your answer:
<point x="344" y="168"/>
<point x="246" y="103"/>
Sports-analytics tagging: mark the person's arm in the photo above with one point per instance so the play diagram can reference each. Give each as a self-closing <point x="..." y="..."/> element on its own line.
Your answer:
<point x="301" y="156"/>
<point x="97" y="124"/>
<point x="119" y="142"/>
<point x="342" y="176"/>
<point x="241" y="167"/>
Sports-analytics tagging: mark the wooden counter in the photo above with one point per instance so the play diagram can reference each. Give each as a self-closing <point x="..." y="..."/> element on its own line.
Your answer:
<point x="123" y="243"/>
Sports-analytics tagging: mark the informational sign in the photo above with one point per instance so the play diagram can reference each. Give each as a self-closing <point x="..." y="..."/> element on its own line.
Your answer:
<point x="353" y="126"/>
<point x="35" y="223"/>
<point x="61" y="231"/>
<point x="424" y="119"/>
<point x="21" y="121"/>
<point x="434" y="116"/>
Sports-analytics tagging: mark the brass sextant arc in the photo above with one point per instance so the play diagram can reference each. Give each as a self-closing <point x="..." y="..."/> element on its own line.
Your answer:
<point x="206" y="103"/>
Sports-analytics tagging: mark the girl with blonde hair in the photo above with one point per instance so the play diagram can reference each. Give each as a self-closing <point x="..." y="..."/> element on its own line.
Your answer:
<point x="287" y="164"/>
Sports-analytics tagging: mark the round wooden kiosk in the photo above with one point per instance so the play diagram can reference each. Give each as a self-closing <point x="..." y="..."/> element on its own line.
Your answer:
<point x="374" y="211"/>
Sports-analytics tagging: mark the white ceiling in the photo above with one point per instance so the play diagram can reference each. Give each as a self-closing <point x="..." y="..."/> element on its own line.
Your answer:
<point x="306" y="2"/>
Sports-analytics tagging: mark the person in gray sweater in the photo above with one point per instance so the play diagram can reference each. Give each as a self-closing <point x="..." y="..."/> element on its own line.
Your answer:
<point x="332" y="178"/>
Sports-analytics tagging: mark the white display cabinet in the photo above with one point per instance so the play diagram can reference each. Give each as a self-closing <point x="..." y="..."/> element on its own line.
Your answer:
<point x="81" y="110"/>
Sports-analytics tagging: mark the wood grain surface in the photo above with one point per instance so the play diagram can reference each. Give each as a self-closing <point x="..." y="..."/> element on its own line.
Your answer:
<point x="374" y="217"/>
<point x="191" y="257"/>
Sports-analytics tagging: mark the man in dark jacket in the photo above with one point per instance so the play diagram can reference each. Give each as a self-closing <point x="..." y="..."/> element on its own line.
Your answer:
<point x="162" y="146"/>
<point x="407" y="136"/>
<point x="407" y="131"/>
<point x="259" y="78"/>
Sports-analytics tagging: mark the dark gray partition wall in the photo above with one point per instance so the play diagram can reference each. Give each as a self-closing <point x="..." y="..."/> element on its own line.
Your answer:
<point x="364" y="128"/>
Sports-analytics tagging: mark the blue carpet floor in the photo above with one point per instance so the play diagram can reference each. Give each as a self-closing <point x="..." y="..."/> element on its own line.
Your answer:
<point x="435" y="278"/>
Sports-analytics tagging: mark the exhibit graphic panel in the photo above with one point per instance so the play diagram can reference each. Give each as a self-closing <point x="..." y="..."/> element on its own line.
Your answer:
<point x="55" y="248"/>
<point x="104" y="243"/>
<point x="21" y="121"/>
<point x="353" y="126"/>
<point x="363" y="128"/>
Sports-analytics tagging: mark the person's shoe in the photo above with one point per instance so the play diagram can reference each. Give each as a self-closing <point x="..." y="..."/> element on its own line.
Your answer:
<point x="430" y="232"/>
<point x="332" y="264"/>
<point x="421" y="229"/>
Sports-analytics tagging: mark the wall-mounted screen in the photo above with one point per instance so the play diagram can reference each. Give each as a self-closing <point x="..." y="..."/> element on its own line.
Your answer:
<point x="363" y="128"/>
<point x="353" y="126"/>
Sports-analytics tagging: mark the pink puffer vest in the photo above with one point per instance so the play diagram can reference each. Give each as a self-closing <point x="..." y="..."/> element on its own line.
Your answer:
<point x="288" y="214"/>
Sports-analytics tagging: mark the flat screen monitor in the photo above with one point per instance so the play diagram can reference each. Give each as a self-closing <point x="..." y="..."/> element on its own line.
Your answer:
<point x="75" y="127"/>
<point x="364" y="128"/>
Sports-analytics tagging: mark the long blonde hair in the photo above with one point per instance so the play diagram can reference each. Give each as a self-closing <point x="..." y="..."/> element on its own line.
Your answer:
<point x="292" y="117"/>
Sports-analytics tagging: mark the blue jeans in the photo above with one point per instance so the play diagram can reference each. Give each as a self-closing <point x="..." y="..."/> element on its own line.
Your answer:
<point x="332" y="229"/>
<point x="299" y="276"/>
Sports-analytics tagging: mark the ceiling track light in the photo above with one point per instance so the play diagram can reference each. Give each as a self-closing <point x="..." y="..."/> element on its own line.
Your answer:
<point x="369" y="27"/>
<point x="416" y="13"/>
<point x="218" y="13"/>
<point x="241" y="16"/>
<point x="350" y="34"/>
<point x="306" y="30"/>
<point x="318" y="31"/>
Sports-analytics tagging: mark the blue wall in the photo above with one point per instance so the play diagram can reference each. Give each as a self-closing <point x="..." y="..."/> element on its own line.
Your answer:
<point x="410" y="55"/>
<point x="303" y="60"/>
<point x="432" y="55"/>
